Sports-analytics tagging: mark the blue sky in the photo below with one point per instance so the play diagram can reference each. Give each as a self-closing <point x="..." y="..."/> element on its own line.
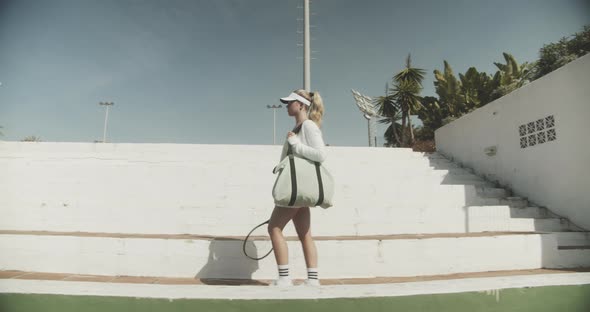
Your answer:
<point x="203" y="72"/>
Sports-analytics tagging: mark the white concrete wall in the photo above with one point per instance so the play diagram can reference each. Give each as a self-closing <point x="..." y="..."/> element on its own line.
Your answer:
<point x="217" y="189"/>
<point x="556" y="173"/>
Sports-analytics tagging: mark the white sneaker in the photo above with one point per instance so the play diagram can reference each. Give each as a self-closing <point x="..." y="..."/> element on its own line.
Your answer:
<point x="282" y="282"/>
<point x="311" y="282"/>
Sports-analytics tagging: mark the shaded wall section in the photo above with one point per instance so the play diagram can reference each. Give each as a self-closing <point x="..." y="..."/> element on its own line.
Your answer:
<point x="533" y="141"/>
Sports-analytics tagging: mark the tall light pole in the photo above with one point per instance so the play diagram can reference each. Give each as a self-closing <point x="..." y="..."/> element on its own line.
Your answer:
<point x="274" y="120"/>
<point x="106" y="118"/>
<point x="306" y="47"/>
<point x="370" y="129"/>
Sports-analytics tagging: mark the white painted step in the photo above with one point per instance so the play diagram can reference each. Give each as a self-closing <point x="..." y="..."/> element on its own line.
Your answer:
<point x="505" y="212"/>
<point x="529" y="212"/>
<point x="446" y="166"/>
<point x="571" y="258"/>
<point x="222" y="258"/>
<point x="515" y="202"/>
<point x="441" y="211"/>
<point x="539" y="225"/>
<point x="492" y="192"/>
<point x="466" y="180"/>
<point x="457" y="174"/>
<point x="51" y="152"/>
<point x="504" y="218"/>
<point x="573" y="238"/>
<point x="491" y="284"/>
<point x="411" y="206"/>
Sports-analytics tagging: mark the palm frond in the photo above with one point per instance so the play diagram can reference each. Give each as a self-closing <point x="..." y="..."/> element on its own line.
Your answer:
<point x="385" y="105"/>
<point x="414" y="75"/>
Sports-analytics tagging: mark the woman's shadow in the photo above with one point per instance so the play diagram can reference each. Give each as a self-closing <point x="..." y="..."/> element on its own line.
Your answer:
<point x="227" y="264"/>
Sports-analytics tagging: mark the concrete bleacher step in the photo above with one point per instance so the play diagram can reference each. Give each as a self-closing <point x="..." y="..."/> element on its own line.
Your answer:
<point x="492" y="192"/>
<point x="466" y="180"/>
<point x="186" y="256"/>
<point x="505" y="218"/>
<point x="454" y="173"/>
<point x="199" y="189"/>
<point x="445" y="166"/>
<point x="569" y="258"/>
<point x="539" y="225"/>
<point x="495" y="212"/>
<point x="530" y="212"/>
<point x="570" y="246"/>
<point x="515" y="202"/>
<point x="573" y="240"/>
<point x="160" y="280"/>
<point x="365" y="219"/>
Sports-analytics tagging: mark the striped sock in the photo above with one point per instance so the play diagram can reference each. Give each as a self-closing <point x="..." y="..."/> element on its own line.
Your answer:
<point x="284" y="271"/>
<point x="312" y="273"/>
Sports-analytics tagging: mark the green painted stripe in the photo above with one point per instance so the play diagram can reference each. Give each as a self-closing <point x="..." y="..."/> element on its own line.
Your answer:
<point x="538" y="299"/>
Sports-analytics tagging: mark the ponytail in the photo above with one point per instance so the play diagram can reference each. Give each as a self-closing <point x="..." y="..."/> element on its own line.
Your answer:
<point x="316" y="109"/>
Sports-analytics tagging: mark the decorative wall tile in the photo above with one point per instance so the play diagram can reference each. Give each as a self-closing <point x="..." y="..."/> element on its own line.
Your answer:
<point x="549" y="121"/>
<point x="551" y="135"/>
<point x="541" y="138"/>
<point x="532" y="140"/>
<point x="531" y="127"/>
<point x="537" y="132"/>
<point x="540" y="124"/>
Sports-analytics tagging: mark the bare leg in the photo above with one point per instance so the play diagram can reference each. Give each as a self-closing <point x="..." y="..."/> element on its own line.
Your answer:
<point x="279" y="218"/>
<point x="302" y="221"/>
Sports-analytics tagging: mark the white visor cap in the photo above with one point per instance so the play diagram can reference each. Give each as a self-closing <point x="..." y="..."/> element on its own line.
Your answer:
<point x="295" y="97"/>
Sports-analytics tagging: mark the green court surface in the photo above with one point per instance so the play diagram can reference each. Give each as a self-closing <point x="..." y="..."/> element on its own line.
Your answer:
<point x="539" y="299"/>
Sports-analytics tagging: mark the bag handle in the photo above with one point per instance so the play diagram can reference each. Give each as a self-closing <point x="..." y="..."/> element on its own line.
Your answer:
<point x="295" y="130"/>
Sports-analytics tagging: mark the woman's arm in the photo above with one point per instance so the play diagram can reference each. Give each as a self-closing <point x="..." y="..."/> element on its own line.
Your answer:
<point x="316" y="149"/>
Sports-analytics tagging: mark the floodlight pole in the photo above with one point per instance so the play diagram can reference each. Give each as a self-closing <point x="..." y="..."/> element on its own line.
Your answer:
<point x="306" y="48"/>
<point x="106" y="118"/>
<point x="274" y="121"/>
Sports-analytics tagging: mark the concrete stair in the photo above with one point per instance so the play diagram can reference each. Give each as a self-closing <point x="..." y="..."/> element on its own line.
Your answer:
<point x="185" y="256"/>
<point x="176" y="215"/>
<point x="573" y="239"/>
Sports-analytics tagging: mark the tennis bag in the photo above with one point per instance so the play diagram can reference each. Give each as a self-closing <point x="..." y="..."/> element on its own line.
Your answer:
<point x="302" y="183"/>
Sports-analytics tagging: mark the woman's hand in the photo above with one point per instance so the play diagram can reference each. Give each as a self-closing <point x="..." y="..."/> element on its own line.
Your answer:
<point x="290" y="134"/>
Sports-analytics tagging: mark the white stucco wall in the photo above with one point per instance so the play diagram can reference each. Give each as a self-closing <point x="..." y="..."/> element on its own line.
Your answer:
<point x="554" y="173"/>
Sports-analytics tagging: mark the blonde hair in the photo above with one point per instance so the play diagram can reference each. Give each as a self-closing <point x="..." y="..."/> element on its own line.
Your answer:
<point x="316" y="109"/>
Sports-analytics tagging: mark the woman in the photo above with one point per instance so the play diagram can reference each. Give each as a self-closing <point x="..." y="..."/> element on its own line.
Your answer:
<point x="305" y="141"/>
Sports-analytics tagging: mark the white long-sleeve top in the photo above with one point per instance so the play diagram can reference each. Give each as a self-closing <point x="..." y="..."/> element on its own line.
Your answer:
<point x="308" y="143"/>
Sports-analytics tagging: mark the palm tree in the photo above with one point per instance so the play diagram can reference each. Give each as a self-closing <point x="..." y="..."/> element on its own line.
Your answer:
<point x="406" y="93"/>
<point x="393" y="131"/>
<point x="387" y="107"/>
